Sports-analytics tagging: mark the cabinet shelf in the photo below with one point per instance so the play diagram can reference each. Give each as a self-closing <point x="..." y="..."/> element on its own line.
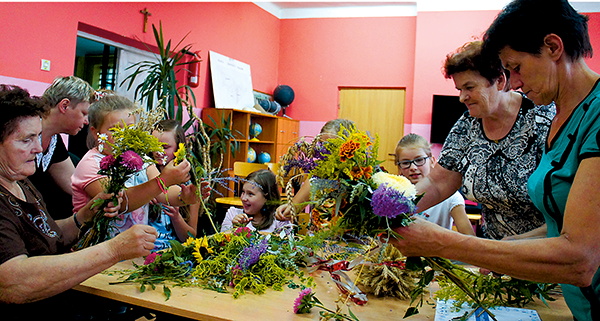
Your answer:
<point x="276" y="136"/>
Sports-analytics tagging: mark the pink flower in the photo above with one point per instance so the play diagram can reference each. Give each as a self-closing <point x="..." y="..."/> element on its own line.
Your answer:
<point x="132" y="160"/>
<point x="243" y="231"/>
<point x="151" y="258"/>
<point x="107" y="162"/>
<point x="304" y="301"/>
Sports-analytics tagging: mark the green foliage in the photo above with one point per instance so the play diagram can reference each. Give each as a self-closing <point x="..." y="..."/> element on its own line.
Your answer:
<point x="160" y="82"/>
<point x="476" y="289"/>
<point x="214" y="263"/>
<point x="129" y="137"/>
<point x="493" y="290"/>
<point x="222" y="137"/>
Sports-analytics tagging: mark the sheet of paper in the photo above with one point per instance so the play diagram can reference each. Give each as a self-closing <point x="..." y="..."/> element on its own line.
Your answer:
<point x="232" y="83"/>
<point x="443" y="312"/>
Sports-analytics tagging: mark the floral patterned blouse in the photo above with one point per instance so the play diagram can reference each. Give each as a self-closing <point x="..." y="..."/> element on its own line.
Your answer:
<point x="495" y="173"/>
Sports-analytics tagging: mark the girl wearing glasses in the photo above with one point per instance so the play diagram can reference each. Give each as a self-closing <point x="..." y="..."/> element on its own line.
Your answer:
<point x="414" y="161"/>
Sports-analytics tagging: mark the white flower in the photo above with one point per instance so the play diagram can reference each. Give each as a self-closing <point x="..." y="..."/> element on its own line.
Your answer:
<point x="399" y="183"/>
<point x="102" y="138"/>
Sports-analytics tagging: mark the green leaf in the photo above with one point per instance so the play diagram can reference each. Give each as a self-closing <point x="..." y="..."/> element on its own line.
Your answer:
<point x="167" y="292"/>
<point x="411" y="311"/>
<point x="414" y="263"/>
<point x="427" y="278"/>
<point x="178" y="249"/>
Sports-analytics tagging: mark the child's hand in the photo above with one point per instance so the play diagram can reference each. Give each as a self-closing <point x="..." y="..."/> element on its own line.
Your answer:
<point x="179" y="174"/>
<point x="172" y="212"/>
<point x="205" y="189"/>
<point x="188" y="194"/>
<point x="283" y="213"/>
<point x="241" y="219"/>
<point x="111" y="208"/>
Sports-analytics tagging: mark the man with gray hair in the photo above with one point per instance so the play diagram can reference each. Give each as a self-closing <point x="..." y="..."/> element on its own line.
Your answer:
<point x="69" y="98"/>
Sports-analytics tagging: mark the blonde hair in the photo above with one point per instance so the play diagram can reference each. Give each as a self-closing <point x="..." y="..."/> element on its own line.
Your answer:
<point x="102" y="107"/>
<point x="73" y="88"/>
<point x="333" y="126"/>
<point x="412" y="141"/>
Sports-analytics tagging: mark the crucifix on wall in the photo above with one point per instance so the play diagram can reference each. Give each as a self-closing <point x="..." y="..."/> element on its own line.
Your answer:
<point x="146" y="13"/>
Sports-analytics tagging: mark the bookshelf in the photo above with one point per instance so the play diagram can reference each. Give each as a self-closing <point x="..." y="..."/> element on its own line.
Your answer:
<point x="278" y="133"/>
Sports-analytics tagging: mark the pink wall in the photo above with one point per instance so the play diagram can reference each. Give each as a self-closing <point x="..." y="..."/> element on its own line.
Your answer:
<point x="314" y="56"/>
<point x="594" y="31"/>
<point x="318" y="56"/>
<point x="35" y="31"/>
<point x="434" y="43"/>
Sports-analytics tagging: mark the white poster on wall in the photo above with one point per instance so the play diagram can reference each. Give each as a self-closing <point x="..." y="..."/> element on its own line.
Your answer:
<point x="232" y="83"/>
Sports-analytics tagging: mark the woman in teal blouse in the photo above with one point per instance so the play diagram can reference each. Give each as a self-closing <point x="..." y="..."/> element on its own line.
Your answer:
<point x="543" y="44"/>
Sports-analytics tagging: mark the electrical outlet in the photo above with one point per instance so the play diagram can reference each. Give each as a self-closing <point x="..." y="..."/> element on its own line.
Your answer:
<point x="45" y="65"/>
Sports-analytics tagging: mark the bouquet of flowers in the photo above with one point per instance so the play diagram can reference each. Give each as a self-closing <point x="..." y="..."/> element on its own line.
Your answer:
<point x="242" y="260"/>
<point x="130" y="149"/>
<point x="344" y="171"/>
<point x="368" y="201"/>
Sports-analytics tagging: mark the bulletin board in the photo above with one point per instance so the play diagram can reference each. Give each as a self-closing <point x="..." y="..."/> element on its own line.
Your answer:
<point x="232" y="83"/>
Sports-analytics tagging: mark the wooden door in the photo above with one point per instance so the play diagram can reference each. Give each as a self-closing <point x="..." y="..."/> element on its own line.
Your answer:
<point x="378" y="111"/>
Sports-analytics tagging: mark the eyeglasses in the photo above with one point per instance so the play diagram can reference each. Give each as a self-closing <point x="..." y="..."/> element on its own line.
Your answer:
<point x="417" y="161"/>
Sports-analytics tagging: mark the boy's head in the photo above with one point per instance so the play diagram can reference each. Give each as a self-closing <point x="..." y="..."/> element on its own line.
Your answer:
<point x="413" y="157"/>
<point x="332" y="127"/>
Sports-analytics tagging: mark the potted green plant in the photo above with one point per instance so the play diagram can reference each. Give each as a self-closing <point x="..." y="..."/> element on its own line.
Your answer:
<point x="160" y="89"/>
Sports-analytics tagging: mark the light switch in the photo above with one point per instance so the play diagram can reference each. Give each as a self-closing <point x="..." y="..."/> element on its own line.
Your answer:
<point x="45" y="65"/>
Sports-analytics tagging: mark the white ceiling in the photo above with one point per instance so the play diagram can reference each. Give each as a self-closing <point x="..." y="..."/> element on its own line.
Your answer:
<point x="340" y="9"/>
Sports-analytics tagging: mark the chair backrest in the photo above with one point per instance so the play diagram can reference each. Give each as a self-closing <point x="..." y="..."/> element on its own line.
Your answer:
<point x="243" y="169"/>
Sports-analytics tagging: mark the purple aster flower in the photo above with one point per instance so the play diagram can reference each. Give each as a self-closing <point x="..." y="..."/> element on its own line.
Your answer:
<point x="251" y="254"/>
<point x="304" y="301"/>
<point x="389" y="202"/>
<point x="107" y="162"/>
<point x="131" y="160"/>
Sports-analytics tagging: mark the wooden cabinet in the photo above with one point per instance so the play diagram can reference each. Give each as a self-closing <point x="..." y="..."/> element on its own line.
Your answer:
<point x="287" y="135"/>
<point x="278" y="133"/>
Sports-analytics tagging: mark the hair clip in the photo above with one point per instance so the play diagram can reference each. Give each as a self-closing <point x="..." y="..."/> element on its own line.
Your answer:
<point x="99" y="94"/>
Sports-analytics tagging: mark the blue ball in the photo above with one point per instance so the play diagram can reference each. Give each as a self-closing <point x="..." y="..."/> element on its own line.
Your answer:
<point x="255" y="129"/>
<point x="284" y="95"/>
<point x="264" y="157"/>
<point x="251" y="155"/>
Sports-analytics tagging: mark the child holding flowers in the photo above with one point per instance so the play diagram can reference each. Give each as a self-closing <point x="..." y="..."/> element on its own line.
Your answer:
<point x="260" y="198"/>
<point x="415" y="161"/>
<point x="171" y="222"/>
<point x="146" y="184"/>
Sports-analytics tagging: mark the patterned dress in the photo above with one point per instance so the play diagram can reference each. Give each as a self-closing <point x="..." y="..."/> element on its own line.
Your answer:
<point x="495" y="173"/>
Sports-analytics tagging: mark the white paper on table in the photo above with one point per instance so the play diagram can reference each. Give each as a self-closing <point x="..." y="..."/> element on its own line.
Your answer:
<point x="443" y="312"/>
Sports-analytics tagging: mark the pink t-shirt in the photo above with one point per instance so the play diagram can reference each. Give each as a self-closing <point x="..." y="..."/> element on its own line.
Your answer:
<point x="86" y="172"/>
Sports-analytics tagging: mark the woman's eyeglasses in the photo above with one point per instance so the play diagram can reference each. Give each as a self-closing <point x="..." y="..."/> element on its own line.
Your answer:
<point x="417" y="161"/>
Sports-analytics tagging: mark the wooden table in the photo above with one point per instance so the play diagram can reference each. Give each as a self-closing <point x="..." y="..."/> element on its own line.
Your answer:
<point x="197" y="303"/>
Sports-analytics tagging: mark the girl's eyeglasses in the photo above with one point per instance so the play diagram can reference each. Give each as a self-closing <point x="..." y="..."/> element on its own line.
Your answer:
<point x="417" y="161"/>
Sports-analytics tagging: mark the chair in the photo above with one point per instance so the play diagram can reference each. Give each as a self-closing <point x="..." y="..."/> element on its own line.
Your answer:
<point x="241" y="170"/>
